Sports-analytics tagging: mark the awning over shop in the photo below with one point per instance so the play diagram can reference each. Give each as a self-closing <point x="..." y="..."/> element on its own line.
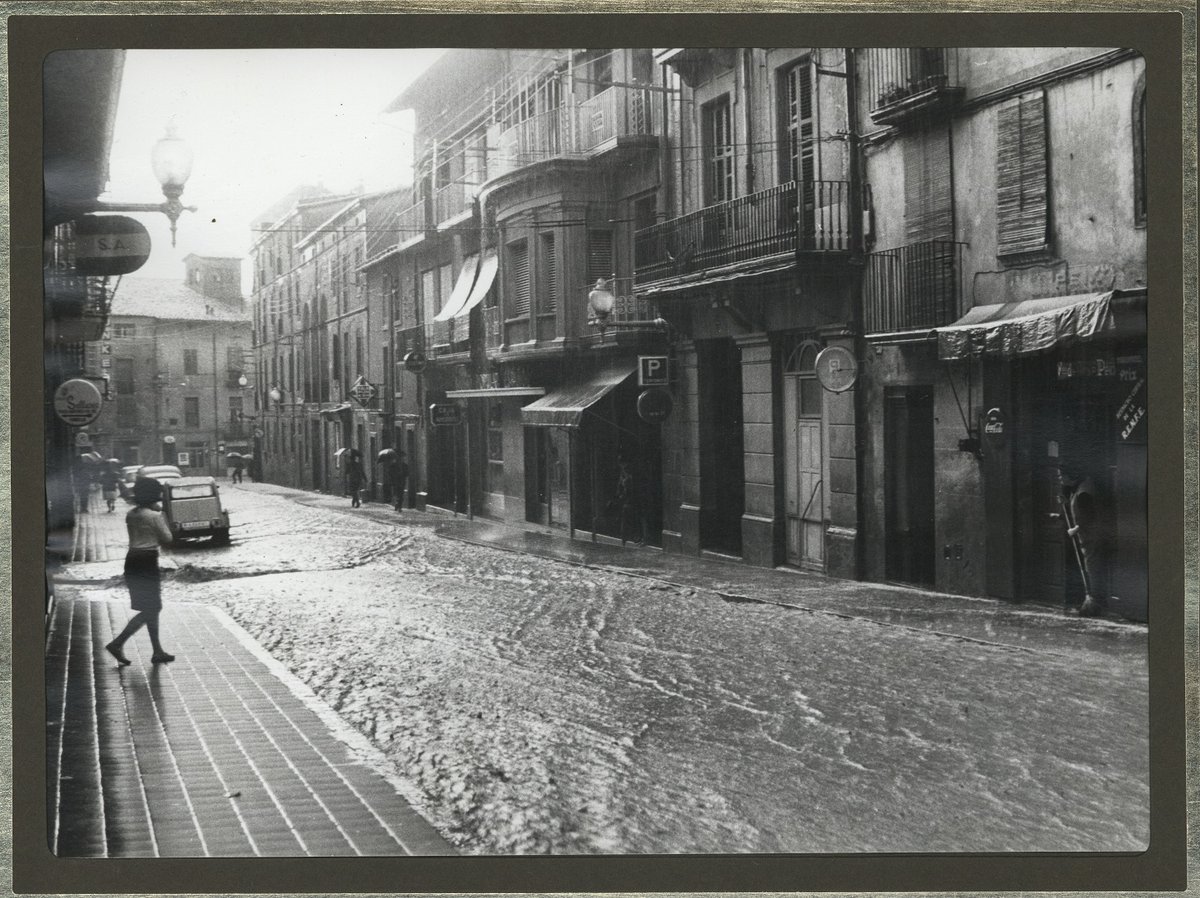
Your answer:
<point x="713" y="277"/>
<point x="483" y="283"/>
<point x="565" y="407"/>
<point x="1010" y="330"/>
<point x="496" y="393"/>
<point x="462" y="290"/>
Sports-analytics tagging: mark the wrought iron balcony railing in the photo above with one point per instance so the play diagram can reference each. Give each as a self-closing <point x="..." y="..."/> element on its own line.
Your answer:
<point x="904" y="81"/>
<point x="913" y="287"/>
<point x="812" y="216"/>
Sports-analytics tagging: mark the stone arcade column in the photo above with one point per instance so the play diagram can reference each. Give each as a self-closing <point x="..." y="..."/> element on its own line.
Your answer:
<point x="759" y="522"/>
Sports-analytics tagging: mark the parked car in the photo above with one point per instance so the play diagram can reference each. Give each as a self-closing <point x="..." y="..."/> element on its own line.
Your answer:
<point x="192" y="509"/>
<point x="161" y="473"/>
<point x="129" y="474"/>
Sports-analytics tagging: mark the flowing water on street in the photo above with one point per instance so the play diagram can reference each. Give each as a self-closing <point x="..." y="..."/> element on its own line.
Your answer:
<point x="538" y="707"/>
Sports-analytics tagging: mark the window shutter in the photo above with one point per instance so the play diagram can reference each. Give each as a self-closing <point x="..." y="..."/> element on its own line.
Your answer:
<point x="1021" y="175"/>
<point x="928" y="193"/>
<point x="600" y="256"/>
<point x="518" y="279"/>
<point x="549" y="301"/>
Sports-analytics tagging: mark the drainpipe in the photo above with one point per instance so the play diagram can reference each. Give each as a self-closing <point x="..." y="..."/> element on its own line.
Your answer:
<point x="861" y="416"/>
<point x="852" y="143"/>
<point x="666" y="182"/>
<point x="748" y="97"/>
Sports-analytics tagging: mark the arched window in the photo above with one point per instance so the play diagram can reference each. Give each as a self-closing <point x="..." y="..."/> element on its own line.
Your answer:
<point x="1139" y="151"/>
<point x="801" y="363"/>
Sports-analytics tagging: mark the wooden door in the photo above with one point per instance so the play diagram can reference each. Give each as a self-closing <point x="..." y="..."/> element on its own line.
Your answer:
<point x="803" y="461"/>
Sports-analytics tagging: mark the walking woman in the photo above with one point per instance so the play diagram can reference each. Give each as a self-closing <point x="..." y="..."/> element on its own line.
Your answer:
<point x="147" y="530"/>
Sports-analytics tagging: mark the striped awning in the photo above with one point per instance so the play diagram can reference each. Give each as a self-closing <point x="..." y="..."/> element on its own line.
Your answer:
<point x="1010" y="330"/>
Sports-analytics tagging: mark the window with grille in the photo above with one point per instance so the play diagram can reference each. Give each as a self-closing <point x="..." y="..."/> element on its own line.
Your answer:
<point x="517" y="268"/>
<point x="191" y="363"/>
<point x="235" y="410"/>
<point x="548" y="301"/>
<point x="1022" y="203"/>
<point x="717" y="125"/>
<point x="124" y="330"/>
<point x="798" y="123"/>
<point x="191" y="411"/>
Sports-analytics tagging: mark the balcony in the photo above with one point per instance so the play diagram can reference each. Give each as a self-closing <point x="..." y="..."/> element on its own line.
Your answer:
<point x="444" y="338"/>
<point x="814" y="218"/>
<point x="903" y="82"/>
<point x="453" y="199"/>
<point x="914" y="287"/>
<point x="580" y="128"/>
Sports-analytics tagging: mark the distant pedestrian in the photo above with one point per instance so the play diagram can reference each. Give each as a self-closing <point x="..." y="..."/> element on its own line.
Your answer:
<point x="81" y="479"/>
<point x="1087" y="527"/>
<point x="238" y="465"/>
<point x="354" y="477"/>
<point x="628" y="501"/>
<point x="110" y="479"/>
<point x="147" y="531"/>
<point x="396" y="472"/>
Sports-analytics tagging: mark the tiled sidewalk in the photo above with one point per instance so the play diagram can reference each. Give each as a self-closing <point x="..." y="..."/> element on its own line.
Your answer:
<point x="221" y="753"/>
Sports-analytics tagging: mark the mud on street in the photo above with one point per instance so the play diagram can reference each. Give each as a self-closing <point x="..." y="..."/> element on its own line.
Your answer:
<point x="533" y="706"/>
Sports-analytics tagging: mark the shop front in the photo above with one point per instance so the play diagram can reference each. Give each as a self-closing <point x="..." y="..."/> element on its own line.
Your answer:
<point x="1063" y="416"/>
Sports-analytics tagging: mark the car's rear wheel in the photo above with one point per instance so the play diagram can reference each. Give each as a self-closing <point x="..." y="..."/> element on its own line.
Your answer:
<point x="221" y="536"/>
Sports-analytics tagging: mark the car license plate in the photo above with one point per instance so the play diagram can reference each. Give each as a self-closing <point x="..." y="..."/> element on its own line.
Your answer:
<point x="194" y="525"/>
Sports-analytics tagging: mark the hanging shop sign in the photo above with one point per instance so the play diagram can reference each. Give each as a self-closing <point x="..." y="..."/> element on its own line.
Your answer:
<point x="993" y="423"/>
<point x="837" y="369"/>
<point x="654" y="405"/>
<point x="77" y="402"/>
<point x="445" y="414"/>
<point x="654" y="371"/>
<point x="1131" y="415"/>
<point x="363" y="391"/>
<point x="414" y="361"/>
<point x="109" y="245"/>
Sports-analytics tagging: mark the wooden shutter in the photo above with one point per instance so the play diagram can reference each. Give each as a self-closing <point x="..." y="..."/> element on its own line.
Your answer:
<point x="518" y="279"/>
<point x="600" y="256"/>
<point x="1021" y="175"/>
<point x="549" y="297"/>
<point x="928" y="187"/>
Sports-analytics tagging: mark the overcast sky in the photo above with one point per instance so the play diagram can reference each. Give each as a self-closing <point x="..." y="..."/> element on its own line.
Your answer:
<point x="261" y="122"/>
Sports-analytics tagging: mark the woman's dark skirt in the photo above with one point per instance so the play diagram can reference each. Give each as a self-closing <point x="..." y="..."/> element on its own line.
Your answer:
<point x="142" y="578"/>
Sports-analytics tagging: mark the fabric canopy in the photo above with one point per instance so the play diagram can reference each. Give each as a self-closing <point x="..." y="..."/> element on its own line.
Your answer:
<point x="461" y="292"/>
<point x="1010" y="330"/>
<point x="483" y="283"/>
<point x="565" y="407"/>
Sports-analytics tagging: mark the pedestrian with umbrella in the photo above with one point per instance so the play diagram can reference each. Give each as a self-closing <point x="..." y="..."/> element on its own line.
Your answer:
<point x="395" y="472"/>
<point x="110" y="479"/>
<point x="147" y="531"/>
<point x="237" y="462"/>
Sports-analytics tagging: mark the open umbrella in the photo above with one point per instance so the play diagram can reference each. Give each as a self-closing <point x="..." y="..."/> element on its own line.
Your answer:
<point x="385" y="454"/>
<point x="91" y="457"/>
<point x="112" y="461"/>
<point x="234" y="455"/>
<point x="339" y="453"/>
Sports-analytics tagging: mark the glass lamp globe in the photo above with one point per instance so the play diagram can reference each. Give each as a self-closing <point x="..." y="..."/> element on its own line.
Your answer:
<point x="601" y="299"/>
<point x="171" y="159"/>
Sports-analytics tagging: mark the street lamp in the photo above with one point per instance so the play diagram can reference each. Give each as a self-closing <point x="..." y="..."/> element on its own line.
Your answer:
<point x="602" y="300"/>
<point x="171" y="160"/>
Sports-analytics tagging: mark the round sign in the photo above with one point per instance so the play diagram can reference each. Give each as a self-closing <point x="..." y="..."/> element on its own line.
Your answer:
<point x="258" y="434"/>
<point x="170" y="441"/>
<point x="83" y="439"/>
<point x="836" y="368"/>
<point x="415" y="361"/>
<point x="110" y="244"/>
<point x="77" y="401"/>
<point x="654" y="405"/>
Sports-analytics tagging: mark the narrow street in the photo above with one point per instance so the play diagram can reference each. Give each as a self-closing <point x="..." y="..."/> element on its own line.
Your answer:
<point x="546" y="706"/>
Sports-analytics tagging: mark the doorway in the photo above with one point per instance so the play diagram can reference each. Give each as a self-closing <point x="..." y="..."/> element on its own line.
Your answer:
<point x="548" y="492"/>
<point x="908" y="485"/>
<point x="722" y="459"/>
<point x="803" y="483"/>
